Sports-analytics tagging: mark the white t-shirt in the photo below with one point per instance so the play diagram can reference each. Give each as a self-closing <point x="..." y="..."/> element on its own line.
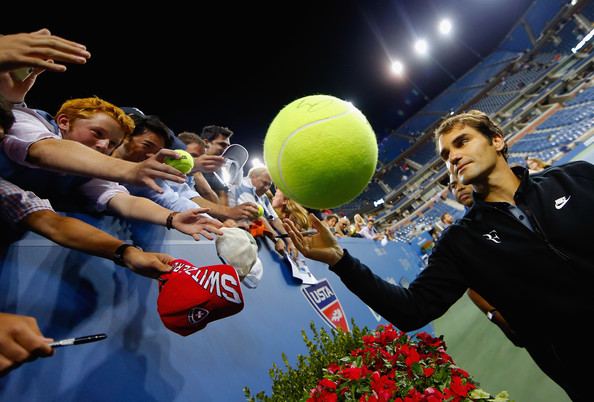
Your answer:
<point x="28" y="128"/>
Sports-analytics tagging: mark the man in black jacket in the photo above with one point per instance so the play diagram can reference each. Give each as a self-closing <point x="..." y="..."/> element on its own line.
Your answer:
<point x="522" y="246"/>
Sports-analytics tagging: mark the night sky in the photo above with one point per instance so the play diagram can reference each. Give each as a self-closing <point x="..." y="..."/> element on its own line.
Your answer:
<point x="237" y="65"/>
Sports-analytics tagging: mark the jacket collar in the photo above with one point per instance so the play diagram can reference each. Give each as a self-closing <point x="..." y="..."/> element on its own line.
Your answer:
<point x="525" y="184"/>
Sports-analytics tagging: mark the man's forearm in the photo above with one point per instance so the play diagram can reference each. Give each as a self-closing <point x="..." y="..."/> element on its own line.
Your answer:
<point x="71" y="157"/>
<point x="216" y="210"/>
<point x="138" y="208"/>
<point x="72" y="233"/>
<point x="278" y="226"/>
<point x="204" y="189"/>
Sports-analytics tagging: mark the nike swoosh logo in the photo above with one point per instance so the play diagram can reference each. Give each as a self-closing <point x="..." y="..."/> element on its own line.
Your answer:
<point x="560" y="202"/>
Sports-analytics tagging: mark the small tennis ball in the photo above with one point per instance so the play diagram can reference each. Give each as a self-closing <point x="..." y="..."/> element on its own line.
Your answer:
<point x="260" y="211"/>
<point x="320" y="151"/>
<point x="184" y="164"/>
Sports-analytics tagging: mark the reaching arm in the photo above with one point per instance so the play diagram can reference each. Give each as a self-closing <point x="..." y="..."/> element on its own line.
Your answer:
<point x="322" y="247"/>
<point x="247" y="210"/>
<point x="20" y="341"/>
<point x="204" y="189"/>
<point x="277" y="224"/>
<point x="427" y="298"/>
<point x="76" y="234"/>
<point x="190" y="222"/>
<point x="81" y="160"/>
<point x="41" y="50"/>
<point x="496" y="316"/>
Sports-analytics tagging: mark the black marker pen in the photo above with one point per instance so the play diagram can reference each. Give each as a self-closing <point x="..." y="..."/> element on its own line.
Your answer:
<point x="77" y="341"/>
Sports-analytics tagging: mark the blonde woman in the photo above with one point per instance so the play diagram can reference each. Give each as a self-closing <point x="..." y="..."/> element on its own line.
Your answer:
<point x="536" y="165"/>
<point x="286" y="208"/>
<point x="359" y="223"/>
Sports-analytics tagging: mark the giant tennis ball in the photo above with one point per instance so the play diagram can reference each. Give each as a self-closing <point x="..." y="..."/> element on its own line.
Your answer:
<point x="184" y="164"/>
<point x="320" y="151"/>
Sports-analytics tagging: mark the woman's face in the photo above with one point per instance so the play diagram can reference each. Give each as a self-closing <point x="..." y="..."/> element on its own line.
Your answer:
<point x="278" y="200"/>
<point x="532" y="164"/>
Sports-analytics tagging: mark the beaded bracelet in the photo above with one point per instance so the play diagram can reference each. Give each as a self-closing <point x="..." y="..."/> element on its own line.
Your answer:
<point x="169" y="223"/>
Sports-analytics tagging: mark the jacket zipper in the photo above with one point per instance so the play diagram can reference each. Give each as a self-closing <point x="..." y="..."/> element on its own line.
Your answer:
<point x="538" y="232"/>
<point x="544" y="236"/>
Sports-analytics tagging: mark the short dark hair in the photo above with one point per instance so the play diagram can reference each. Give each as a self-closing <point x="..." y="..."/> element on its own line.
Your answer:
<point x="154" y="124"/>
<point x="6" y="116"/>
<point x="211" y="132"/>
<point x="188" y="138"/>
<point x="476" y="119"/>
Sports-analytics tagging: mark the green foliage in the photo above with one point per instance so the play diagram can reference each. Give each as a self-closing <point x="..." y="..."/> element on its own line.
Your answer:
<point x="325" y="349"/>
<point x="384" y="365"/>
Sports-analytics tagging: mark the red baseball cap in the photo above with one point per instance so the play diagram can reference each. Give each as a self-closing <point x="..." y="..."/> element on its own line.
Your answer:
<point x="191" y="297"/>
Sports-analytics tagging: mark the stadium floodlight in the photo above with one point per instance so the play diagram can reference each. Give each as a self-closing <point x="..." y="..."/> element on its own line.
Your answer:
<point x="445" y="26"/>
<point x="378" y="202"/>
<point x="257" y="163"/>
<point x="421" y="46"/>
<point x="397" y="67"/>
<point x="584" y="40"/>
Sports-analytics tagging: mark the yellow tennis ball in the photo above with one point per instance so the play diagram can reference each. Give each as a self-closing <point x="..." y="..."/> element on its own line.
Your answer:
<point x="320" y="151"/>
<point x="260" y="211"/>
<point x="184" y="164"/>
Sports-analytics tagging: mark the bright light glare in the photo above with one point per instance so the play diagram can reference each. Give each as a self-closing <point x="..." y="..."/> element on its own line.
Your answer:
<point x="397" y="67"/>
<point x="445" y="26"/>
<point x="256" y="163"/>
<point x="421" y="46"/>
<point x="583" y="41"/>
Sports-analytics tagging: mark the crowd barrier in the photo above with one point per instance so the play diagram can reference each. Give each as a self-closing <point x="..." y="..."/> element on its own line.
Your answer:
<point x="74" y="294"/>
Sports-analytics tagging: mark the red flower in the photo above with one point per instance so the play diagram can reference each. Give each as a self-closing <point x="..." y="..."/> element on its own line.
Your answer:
<point x="333" y="368"/>
<point x="412" y="396"/>
<point x="432" y="394"/>
<point x="320" y="394"/>
<point x="380" y="384"/>
<point x="458" y="388"/>
<point x="459" y="371"/>
<point x="368" y="398"/>
<point x="351" y="373"/>
<point x="382" y="361"/>
<point x="412" y="355"/>
<point x="328" y="383"/>
<point x="429" y="340"/>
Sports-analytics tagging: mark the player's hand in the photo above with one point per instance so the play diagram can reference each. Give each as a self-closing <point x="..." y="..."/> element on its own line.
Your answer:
<point x="151" y="265"/>
<point x="143" y="174"/>
<point x="20" y="341"/>
<point x="321" y="247"/>
<point x="193" y="223"/>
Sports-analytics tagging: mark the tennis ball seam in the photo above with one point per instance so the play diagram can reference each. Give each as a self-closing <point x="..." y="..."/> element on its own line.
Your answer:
<point x="280" y="154"/>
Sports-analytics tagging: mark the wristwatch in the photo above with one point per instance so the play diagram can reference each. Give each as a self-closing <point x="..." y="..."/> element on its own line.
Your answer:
<point x="491" y="314"/>
<point x="118" y="256"/>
